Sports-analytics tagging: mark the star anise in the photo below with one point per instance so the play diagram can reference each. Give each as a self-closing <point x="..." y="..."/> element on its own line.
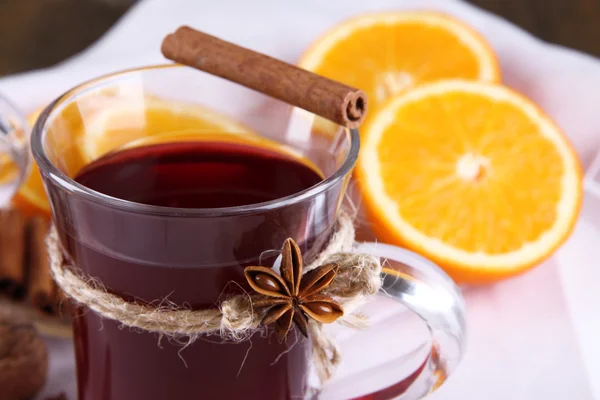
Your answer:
<point x="293" y="297"/>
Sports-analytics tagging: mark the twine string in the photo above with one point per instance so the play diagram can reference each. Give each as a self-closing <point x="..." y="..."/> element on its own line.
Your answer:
<point x="235" y="319"/>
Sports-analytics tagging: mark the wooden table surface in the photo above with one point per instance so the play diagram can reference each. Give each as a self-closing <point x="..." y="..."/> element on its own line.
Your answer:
<point x="39" y="33"/>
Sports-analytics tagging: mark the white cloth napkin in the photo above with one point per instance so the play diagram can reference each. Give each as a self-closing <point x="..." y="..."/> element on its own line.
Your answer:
<point x="523" y="343"/>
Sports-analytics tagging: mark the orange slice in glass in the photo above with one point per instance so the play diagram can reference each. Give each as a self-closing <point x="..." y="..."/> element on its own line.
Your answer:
<point x="114" y="124"/>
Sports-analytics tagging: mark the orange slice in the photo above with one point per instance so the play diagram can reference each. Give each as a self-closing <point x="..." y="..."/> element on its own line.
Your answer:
<point x="471" y="175"/>
<point x="223" y="137"/>
<point x="190" y="135"/>
<point x="109" y="123"/>
<point x="385" y="54"/>
<point x="30" y="198"/>
<point x="8" y="169"/>
<point x="121" y="123"/>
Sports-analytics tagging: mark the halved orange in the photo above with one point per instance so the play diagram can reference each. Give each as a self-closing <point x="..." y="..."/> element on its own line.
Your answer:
<point x="387" y="53"/>
<point x="471" y="175"/>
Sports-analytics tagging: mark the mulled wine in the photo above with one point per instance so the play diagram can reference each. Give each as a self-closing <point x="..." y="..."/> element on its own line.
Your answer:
<point x="188" y="261"/>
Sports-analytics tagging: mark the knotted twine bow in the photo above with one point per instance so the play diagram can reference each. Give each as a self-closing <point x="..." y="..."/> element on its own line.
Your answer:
<point x="358" y="277"/>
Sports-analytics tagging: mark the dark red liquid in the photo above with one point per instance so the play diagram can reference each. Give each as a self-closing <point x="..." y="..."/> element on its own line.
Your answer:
<point x="191" y="260"/>
<point x="198" y="175"/>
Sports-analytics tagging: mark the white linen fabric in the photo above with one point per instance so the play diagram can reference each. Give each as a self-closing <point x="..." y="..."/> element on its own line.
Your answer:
<point x="531" y="337"/>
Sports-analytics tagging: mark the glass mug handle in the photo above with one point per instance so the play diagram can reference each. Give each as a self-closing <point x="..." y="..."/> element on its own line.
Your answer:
<point x="14" y="149"/>
<point x="427" y="291"/>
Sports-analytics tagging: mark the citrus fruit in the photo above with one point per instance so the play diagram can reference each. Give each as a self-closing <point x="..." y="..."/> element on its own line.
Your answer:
<point x="8" y="169"/>
<point x="30" y="198"/>
<point x="86" y="130"/>
<point x="190" y="135"/>
<point x="387" y="53"/>
<point x="121" y="123"/>
<point x="472" y="175"/>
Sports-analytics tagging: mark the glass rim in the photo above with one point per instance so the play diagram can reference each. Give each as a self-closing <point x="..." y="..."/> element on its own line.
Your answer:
<point x="73" y="187"/>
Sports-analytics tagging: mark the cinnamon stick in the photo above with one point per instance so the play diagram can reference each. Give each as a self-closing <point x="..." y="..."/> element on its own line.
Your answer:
<point x="330" y="99"/>
<point x="41" y="287"/>
<point x="12" y="253"/>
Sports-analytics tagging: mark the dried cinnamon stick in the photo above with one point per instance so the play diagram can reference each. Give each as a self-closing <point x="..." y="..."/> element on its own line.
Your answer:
<point x="41" y="287"/>
<point x="330" y="99"/>
<point x="12" y="253"/>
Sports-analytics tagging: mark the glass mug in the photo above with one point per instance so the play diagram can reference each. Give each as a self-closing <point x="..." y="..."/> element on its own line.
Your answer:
<point x="188" y="256"/>
<point x="14" y="154"/>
